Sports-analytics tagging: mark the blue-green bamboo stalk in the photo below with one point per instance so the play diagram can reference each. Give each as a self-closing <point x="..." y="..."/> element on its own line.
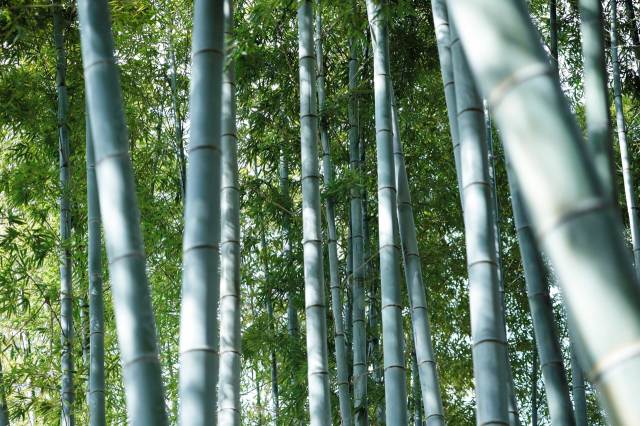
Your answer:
<point x="275" y="392"/>
<point x="334" y="280"/>
<point x="633" y="29"/>
<point x="121" y="219"/>
<point x="200" y="279"/>
<point x="4" y="408"/>
<point x="66" y="286"/>
<point x="317" y="363"/>
<point x="546" y="335"/>
<point x="392" y="334"/>
<point x="553" y="35"/>
<point x="429" y="382"/>
<point x="415" y="382"/>
<point x="443" y="42"/>
<point x="177" y="123"/>
<point x="577" y="384"/>
<point x="627" y="174"/>
<point x="348" y="304"/>
<point x="487" y="322"/>
<point x="571" y="213"/>
<point x="596" y="93"/>
<point x="514" y="416"/>
<point x="96" y="302"/>
<point x="359" y="343"/>
<point x="230" y="340"/>
<point x="534" y="389"/>
<point x="292" y="313"/>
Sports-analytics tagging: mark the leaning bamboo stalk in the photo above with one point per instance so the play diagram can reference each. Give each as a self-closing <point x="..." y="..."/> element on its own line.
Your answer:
<point x="317" y="369"/>
<point x="392" y="333"/>
<point x="487" y="323"/>
<point x="66" y="286"/>
<point x="596" y="93"/>
<point x="424" y="354"/>
<point x="570" y="211"/>
<point x="334" y="280"/>
<point x="545" y="332"/>
<point x="229" y="386"/>
<point x="135" y="323"/>
<point x="627" y="174"/>
<point x="443" y="42"/>
<point x="514" y="415"/>
<point x="96" y="302"/>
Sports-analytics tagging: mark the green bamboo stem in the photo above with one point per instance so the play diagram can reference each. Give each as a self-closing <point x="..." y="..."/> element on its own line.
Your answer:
<point x="545" y="332"/>
<point x="487" y="323"/>
<point x="120" y="217"/>
<point x="415" y="387"/>
<point x="66" y="286"/>
<point x="177" y="122"/>
<point x="96" y="303"/>
<point x="553" y="34"/>
<point x="425" y="358"/>
<point x="627" y="174"/>
<point x="317" y="369"/>
<point x="292" y="313"/>
<point x="4" y="408"/>
<point x="571" y="214"/>
<point x="514" y="416"/>
<point x="348" y="303"/>
<point x="359" y="342"/>
<point x="596" y="94"/>
<point x="334" y="279"/>
<point x="273" y="360"/>
<point x="577" y="384"/>
<point x="392" y="334"/>
<point x="534" y="389"/>
<point x="200" y="278"/>
<point x="443" y="42"/>
<point x="634" y="32"/>
<point x="230" y="340"/>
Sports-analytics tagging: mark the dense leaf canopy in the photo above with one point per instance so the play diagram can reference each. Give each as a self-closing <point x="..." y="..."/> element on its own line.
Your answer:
<point x="149" y="36"/>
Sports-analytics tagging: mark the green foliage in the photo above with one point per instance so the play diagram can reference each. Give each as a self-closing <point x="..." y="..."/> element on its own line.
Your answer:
<point x="145" y="32"/>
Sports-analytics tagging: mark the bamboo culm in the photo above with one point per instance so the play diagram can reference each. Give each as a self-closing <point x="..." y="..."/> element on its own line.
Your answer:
<point x="514" y="415"/>
<point x="66" y="286"/>
<point x="562" y="193"/>
<point x="395" y="388"/>
<point x="292" y="313"/>
<point x="633" y="29"/>
<point x="487" y="326"/>
<point x="553" y="35"/>
<point x="120" y="215"/>
<point x="4" y="409"/>
<point x="415" y="387"/>
<point x="317" y="368"/>
<point x="627" y="174"/>
<point x="443" y="42"/>
<point x="332" y="238"/>
<point x="200" y="277"/>
<point x="577" y="383"/>
<point x="425" y="358"/>
<point x="545" y="332"/>
<point x="596" y="94"/>
<point x="96" y="302"/>
<point x="534" y="389"/>
<point x="359" y="342"/>
<point x="229" y="380"/>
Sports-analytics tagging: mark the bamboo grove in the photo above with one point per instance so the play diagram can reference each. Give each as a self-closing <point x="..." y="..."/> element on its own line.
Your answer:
<point x="319" y="212"/>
